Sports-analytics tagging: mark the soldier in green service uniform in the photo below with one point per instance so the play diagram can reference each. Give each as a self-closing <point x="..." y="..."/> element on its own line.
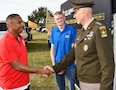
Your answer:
<point x="93" y="51"/>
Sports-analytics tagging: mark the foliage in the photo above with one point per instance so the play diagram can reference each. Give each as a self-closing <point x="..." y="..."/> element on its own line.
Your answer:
<point x="39" y="16"/>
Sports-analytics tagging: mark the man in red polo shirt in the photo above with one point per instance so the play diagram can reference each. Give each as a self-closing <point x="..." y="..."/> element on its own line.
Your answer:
<point x="14" y="68"/>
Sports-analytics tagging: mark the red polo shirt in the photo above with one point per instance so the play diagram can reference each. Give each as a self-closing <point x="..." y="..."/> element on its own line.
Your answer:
<point x="10" y="50"/>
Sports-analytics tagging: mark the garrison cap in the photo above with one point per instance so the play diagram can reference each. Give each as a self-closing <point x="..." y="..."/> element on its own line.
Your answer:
<point x="83" y="3"/>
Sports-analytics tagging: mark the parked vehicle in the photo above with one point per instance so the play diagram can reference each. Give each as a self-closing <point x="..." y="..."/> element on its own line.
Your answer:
<point x="39" y="28"/>
<point x="3" y="28"/>
<point x="44" y="30"/>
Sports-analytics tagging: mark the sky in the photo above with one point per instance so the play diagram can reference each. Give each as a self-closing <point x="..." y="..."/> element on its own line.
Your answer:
<point x="26" y="7"/>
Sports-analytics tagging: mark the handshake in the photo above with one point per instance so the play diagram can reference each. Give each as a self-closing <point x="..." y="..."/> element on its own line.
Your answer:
<point x="47" y="71"/>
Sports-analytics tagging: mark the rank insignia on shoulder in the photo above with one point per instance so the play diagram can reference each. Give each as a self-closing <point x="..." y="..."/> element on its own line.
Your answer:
<point x="103" y="31"/>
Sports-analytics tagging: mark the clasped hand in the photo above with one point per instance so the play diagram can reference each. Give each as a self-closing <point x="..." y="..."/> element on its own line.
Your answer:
<point x="47" y="71"/>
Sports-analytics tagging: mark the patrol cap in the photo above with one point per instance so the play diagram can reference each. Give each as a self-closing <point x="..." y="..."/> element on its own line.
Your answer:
<point x="82" y="3"/>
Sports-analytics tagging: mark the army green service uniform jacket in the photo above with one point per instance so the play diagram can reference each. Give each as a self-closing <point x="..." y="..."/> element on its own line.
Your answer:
<point x="93" y="53"/>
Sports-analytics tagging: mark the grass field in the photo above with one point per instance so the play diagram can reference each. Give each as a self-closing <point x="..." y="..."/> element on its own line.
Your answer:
<point x="39" y="56"/>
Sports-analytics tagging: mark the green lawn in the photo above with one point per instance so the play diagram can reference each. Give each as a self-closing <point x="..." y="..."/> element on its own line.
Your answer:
<point x="39" y="56"/>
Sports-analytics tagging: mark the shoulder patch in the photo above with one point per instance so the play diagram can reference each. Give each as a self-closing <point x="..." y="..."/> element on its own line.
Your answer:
<point x="98" y="23"/>
<point x="103" y="31"/>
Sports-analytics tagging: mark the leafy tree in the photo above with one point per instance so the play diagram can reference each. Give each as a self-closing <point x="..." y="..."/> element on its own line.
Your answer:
<point x="39" y="16"/>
